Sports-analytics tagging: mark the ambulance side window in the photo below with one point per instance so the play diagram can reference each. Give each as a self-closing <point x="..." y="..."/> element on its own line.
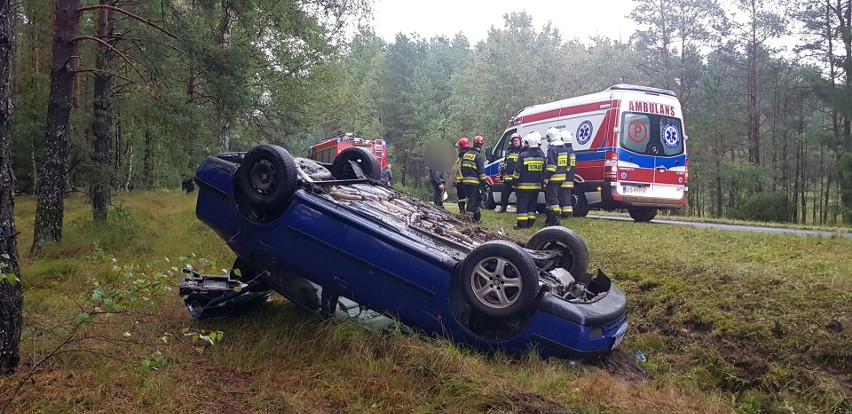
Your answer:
<point x="505" y="143"/>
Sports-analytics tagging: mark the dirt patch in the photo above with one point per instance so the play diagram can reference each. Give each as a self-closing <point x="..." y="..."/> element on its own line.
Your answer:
<point x="749" y="358"/>
<point x="621" y="365"/>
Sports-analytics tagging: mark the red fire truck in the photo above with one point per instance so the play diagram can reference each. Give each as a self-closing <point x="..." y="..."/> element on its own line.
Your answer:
<point x="328" y="149"/>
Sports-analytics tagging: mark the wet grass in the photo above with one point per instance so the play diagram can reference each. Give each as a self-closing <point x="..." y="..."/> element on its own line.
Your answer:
<point x="728" y="321"/>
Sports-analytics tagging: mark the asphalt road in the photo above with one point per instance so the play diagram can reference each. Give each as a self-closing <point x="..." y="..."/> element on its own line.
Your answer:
<point x="734" y="227"/>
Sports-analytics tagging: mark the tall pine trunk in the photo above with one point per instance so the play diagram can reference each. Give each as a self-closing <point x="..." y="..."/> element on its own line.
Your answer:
<point x="11" y="296"/>
<point x="50" y="206"/>
<point x="100" y="185"/>
<point x="148" y="160"/>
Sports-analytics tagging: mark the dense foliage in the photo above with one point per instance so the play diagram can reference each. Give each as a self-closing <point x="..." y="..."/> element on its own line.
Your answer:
<point x="202" y="76"/>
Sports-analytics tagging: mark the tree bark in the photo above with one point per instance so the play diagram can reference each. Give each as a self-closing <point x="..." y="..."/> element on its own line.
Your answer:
<point x="50" y="206"/>
<point x="99" y="189"/>
<point x="11" y="296"/>
<point x="148" y="160"/>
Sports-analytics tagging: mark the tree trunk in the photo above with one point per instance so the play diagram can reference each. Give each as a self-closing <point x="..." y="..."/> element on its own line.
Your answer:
<point x="11" y="296"/>
<point x="148" y="160"/>
<point x="102" y="120"/>
<point x="51" y="184"/>
<point x="224" y="116"/>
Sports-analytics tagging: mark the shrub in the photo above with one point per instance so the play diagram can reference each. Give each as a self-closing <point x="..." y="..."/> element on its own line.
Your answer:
<point x="772" y="206"/>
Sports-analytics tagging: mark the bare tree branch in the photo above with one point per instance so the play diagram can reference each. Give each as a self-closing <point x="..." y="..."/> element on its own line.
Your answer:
<point x="129" y="14"/>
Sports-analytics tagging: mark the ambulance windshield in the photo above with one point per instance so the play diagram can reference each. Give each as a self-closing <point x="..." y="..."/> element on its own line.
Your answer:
<point x="651" y="134"/>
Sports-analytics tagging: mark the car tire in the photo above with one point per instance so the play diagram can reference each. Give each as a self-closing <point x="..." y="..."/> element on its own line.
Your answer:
<point x="642" y="214"/>
<point x="500" y="280"/>
<point x="575" y="253"/>
<point x="581" y="205"/>
<point x="341" y="169"/>
<point x="266" y="179"/>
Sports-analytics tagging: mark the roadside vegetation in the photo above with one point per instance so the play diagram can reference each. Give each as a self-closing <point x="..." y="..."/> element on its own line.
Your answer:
<point x="726" y="321"/>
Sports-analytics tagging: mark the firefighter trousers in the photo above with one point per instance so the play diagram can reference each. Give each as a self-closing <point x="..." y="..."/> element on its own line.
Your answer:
<point x="473" y="197"/>
<point x="527" y="201"/>
<point x="566" y="201"/>
<point x="508" y="189"/>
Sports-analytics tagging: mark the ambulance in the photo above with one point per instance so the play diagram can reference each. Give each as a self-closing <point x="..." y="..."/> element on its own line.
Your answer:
<point x="630" y="146"/>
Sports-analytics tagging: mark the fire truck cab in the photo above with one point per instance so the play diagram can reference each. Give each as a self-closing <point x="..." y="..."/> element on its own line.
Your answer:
<point x="327" y="150"/>
<point x="630" y="145"/>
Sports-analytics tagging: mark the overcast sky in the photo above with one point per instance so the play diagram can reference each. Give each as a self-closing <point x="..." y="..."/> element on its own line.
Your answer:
<point x="574" y="18"/>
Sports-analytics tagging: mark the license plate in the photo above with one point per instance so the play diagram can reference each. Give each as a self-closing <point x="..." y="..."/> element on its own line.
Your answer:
<point x="635" y="189"/>
<point x="617" y="341"/>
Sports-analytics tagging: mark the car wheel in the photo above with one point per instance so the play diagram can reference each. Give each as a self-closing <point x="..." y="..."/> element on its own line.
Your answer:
<point x="487" y="197"/>
<point x="266" y="179"/>
<point x="500" y="280"/>
<point x="581" y="205"/>
<point x="342" y="168"/>
<point x="575" y="254"/>
<point x="642" y="214"/>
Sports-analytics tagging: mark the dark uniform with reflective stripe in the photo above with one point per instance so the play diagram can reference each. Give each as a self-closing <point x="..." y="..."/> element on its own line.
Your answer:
<point x="508" y="175"/>
<point x="555" y="195"/>
<point x="566" y="200"/>
<point x="471" y="176"/>
<point x="528" y="175"/>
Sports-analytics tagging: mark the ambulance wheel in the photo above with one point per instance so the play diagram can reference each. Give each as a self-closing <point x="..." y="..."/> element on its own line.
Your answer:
<point x="500" y="280"/>
<point x="642" y="214"/>
<point x="265" y="181"/>
<point x="581" y="205"/>
<point x="573" y="250"/>
<point x="343" y="169"/>
<point x="487" y="197"/>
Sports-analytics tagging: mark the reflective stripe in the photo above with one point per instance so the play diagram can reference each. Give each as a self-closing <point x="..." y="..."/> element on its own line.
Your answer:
<point x="557" y="177"/>
<point x="568" y="184"/>
<point x="482" y="177"/>
<point x="528" y="186"/>
<point x="469" y="180"/>
<point x="555" y="207"/>
<point x="567" y="209"/>
<point x="522" y="217"/>
<point x="551" y="168"/>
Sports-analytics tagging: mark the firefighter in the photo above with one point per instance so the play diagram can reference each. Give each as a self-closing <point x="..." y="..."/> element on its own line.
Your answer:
<point x="463" y="144"/>
<point x="554" y="175"/>
<point x="508" y="168"/>
<point x="528" y="177"/>
<point x="472" y="173"/>
<point x="566" y="199"/>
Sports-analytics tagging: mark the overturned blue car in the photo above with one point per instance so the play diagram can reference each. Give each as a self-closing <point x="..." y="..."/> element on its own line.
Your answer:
<point x="331" y="236"/>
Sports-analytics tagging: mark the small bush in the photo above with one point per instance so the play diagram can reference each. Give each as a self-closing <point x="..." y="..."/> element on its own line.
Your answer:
<point x="774" y="206"/>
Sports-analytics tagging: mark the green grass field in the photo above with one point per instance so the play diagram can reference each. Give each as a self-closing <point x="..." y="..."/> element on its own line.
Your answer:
<point x="728" y="321"/>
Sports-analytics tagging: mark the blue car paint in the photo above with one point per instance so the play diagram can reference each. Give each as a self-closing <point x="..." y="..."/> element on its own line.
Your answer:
<point x="368" y="261"/>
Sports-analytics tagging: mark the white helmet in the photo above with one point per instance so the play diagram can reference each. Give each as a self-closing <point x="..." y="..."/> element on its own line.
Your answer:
<point x="533" y="139"/>
<point x="567" y="137"/>
<point x="552" y="134"/>
<point x="553" y="137"/>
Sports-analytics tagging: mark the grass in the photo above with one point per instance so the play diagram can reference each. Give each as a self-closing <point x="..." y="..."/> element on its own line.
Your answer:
<point x="729" y="321"/>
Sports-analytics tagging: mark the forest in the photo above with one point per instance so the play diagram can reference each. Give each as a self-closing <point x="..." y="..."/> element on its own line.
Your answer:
<point x="154" y="86"/>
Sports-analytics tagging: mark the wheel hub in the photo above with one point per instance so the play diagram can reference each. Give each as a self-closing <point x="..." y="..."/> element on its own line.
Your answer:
<point x="496" y="282"/>
<point x="263" y="177"/>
